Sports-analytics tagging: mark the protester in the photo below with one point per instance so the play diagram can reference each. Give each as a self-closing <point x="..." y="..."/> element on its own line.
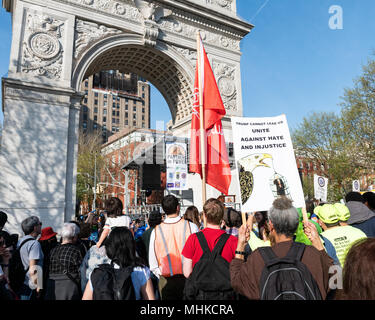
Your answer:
<point x="93" y="222"/>
<point x="341" y="237"/>
<point x="359" y="272"/>
<point x="3" y="219"/>
<point x="369" y="198"/>
<point x="210" y="238"/>
<point x="115" y="218"/>
<point x="166" y="243"/>
<point x="93" y="258"/>
<point x="139" y="228"/>
<point x="283" y="223"/>
<point x="261" y="219"/>
<point x="64" y="282"/>
<point x="232" y="220"/>
<point x="361" y="216"/>
<point x="192" y="214"/>
<point x="32" y="258"/>
<point x="120" y="248"/>
<point x="81" y="244"/>
<point x="48" y="241"/>
<point x="154" y="219"/>
<point x="6" y="248"/>
<point x="84" y="235"/>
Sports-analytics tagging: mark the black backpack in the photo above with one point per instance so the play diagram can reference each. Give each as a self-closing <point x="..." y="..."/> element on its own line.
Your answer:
<point x="112" y="284"/>
<point x="287" y="278"/>
<point x="210" y="279"/>
<point x="17" y="272"/>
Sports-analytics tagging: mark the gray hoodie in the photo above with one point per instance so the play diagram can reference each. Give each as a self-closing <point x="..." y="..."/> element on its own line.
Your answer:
<point x="359" y="212"/>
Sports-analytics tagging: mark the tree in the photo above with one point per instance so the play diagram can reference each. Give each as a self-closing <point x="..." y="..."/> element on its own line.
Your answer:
<point x="89" y="147"/>
<point x="321" y="137"/>
<point x="358" y="115"/>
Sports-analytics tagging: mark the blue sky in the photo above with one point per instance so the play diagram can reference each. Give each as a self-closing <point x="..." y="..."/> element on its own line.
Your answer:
<point x="292" y="62"/>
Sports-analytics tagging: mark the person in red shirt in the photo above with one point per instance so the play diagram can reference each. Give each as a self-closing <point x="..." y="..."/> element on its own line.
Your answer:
<point x="213" y="212"/>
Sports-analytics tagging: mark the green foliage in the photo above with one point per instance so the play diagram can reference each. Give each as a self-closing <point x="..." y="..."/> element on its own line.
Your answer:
<point x="89" y="147"/>
<point x="358" y="114"/>
<point x="344" y="142"/>
<point x="322" y="139"/>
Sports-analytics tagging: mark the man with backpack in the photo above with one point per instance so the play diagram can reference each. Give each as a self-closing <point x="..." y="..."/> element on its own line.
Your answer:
<point x="27" y="261"/>
<point x="207" y="255"/>
<point x="166" y="243"/>
<point x="288" y="270"/>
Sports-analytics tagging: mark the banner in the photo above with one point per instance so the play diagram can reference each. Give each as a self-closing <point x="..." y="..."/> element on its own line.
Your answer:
<point x="214" y="155"/>
<point x="356" y="186"/>
<point x="177" y="170"/>
<point x="320" y="188"/>
<point x="265" y="162"/>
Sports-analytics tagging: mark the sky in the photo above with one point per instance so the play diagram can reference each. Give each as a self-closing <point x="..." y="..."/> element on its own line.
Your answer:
<point x="292" y="62"/>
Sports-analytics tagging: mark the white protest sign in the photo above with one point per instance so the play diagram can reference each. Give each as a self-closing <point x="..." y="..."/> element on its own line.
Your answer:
<point x="266" y="163"/>
<point x="320" y="188"/>
<point x="356" y="186"/>
<point x="177" y="170"/>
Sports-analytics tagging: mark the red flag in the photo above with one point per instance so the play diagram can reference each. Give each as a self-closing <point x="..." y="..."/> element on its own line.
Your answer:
<point x="217" y="167"/>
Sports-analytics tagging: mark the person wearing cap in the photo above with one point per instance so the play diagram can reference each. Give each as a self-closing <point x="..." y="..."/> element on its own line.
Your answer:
<point x="48" y="241"/>
<point x="361" y="216"/>
<point x="343" y="213"/>
<point x="342" y="237"/>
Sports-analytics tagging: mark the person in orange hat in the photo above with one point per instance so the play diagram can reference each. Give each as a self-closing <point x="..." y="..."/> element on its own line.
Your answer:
<point x="48" y="241"/>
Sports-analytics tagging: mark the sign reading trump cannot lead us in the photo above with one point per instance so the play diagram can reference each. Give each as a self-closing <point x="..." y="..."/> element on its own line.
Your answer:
<point x="266" y="163"/>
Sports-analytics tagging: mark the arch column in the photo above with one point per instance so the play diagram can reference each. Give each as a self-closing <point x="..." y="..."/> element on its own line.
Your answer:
<point x="40" y="133"/>
<point x="38" y="154"/>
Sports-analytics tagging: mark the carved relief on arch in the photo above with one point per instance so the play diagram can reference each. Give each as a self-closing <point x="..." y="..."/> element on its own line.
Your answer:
<point x="189" y="30"/>
<point x="226" y="82"/>
<point x="87" y="33"/>
<point x="226" y="4"/>
<point x="42" y="49"/>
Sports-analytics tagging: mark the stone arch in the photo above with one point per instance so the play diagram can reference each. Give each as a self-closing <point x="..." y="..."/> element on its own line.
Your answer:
<point x="56" y="43"/>
<point x="162" y="65"/>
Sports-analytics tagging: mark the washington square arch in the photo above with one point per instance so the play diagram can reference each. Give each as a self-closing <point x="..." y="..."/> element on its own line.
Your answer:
<point x="56" y="44"/>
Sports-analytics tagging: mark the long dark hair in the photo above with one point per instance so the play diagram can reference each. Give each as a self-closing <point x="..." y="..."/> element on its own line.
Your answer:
<point x="192" y="214"/>
<point x="359" y="272"/>
<point x="120" y="248"/>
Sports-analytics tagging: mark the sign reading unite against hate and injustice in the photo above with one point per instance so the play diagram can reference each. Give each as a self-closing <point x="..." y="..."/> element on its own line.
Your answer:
<point x="265" y="162"/>
<point x="177" y="170"/>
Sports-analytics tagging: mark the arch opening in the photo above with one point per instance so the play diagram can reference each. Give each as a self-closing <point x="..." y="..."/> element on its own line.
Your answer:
<point x="162" y="66"/>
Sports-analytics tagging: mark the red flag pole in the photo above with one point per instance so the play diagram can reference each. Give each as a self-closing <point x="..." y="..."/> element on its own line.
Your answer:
<point x="202" y="140"/>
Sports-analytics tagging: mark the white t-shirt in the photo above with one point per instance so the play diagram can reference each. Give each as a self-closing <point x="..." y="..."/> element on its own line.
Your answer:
<point x="120" y="221"/>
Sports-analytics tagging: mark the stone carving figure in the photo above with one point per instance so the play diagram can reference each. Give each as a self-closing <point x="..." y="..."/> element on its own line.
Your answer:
<point x="150" y="11"/>
<point x="151" y="14"/>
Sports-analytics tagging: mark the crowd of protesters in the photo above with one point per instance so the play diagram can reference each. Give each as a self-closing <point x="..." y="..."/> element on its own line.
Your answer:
<point x="216" y="254"/>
